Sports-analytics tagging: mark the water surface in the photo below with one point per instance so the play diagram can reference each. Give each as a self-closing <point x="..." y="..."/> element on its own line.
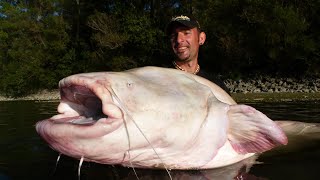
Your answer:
<point x="23" y="155"/>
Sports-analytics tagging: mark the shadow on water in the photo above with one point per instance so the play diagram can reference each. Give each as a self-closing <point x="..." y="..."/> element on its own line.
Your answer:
<point x="23" y="154"/>
<point x="98" y="171"/>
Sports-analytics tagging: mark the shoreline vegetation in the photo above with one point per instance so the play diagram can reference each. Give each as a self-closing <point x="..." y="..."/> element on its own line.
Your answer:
<point x="44" y="42"/>
<point x="53" y="95"/>
<point x="260" y="89"/>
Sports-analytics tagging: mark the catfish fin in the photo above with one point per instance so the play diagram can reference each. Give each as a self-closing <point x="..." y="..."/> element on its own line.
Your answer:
<point x="250" y="131"/>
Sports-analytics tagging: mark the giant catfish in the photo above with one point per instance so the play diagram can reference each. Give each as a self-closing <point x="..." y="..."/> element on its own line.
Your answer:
<point x="155" y="117"/>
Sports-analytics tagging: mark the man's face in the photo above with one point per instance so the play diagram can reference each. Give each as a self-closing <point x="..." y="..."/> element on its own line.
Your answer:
<point x="185" y="43"/>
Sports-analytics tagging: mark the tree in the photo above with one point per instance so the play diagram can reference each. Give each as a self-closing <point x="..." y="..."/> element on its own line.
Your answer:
<point x="34" y="48"/>
<point x="260" y="36"/>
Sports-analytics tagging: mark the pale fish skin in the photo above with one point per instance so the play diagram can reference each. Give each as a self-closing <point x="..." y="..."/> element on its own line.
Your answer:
<point x="154" y="117"/>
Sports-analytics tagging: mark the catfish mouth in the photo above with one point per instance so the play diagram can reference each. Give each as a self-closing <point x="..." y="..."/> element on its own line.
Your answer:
<point x="86" y="110"/>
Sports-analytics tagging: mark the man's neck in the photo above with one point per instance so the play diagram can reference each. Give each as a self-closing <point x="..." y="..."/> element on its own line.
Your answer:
<point x="190" y="66"/>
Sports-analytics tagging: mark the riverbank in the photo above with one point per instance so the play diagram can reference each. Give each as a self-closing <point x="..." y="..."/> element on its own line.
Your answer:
<point x="264" y="84"/>
<point x="44" y="95"/>
<point x="248" y="90"/>
<point x="239" y="97"/>
<point x="269" y="89"/>
<point x="275" y="97"/>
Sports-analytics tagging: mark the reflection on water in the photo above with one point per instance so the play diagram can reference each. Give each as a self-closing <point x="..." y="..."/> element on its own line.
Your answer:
<point x="299" y="111"/>
<point x="22" y="151"/>
<point x="23" y="155"/>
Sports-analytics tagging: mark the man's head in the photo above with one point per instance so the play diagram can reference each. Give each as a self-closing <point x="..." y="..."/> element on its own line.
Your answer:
<point x="185" y="37"/>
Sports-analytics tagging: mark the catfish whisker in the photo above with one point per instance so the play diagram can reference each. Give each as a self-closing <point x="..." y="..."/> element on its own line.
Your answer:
<point x="131" y="118"/>
<point x="57" y="161"/>
<point x="128" y="152"/>
<point x="79" y="167"/>
<point x="129" y="144"/>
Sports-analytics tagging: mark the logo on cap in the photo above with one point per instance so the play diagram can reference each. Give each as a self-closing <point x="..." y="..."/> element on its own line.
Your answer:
<point x="179" y="18"/>
<point x="188" y="21"/>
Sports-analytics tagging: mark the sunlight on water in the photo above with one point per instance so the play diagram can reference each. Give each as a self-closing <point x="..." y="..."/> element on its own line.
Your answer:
<point x="25" y="156"/>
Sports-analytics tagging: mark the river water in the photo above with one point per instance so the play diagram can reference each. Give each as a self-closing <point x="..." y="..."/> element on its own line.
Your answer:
<point x="23" y="154"/>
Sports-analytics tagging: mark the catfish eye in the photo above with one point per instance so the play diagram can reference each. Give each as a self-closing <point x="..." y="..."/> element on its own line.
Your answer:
<point x="129" y="85"/>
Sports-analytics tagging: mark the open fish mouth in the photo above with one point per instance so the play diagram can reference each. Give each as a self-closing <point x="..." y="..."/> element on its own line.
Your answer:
<point x="83" y="121"/>
<point x="78" y="120"/>
<point x="83" y="106"/>
<point x="82" y="112"/>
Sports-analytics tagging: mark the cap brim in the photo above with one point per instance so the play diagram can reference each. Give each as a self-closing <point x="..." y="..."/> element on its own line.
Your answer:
<point x="173" y="24"/>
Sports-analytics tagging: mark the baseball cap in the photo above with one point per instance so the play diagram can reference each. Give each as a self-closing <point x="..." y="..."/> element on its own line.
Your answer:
<point x="185" y="20"/>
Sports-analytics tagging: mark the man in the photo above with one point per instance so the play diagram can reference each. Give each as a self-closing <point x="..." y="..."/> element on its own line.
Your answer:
<point x="186" y="38"/>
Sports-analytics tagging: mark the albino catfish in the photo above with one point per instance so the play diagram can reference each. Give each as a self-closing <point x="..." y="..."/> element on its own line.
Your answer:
<point x="155" y="117"/>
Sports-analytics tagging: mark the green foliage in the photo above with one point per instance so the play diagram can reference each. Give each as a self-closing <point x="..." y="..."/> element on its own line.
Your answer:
<point x="269" y="36"/>
<point x="120" y="63"/>
<point x="44" y="41"/>
<point x="143" y="36"/>
<point x="113" y="42"/>
<point x="34" y="50"/>
<point x="107" y="31"/>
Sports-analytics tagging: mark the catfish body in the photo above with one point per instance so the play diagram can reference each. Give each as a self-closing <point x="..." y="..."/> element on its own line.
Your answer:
<point x="155" y="117"/>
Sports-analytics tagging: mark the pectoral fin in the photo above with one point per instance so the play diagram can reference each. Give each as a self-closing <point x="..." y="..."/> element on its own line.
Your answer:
<point x="250" y="131"/>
